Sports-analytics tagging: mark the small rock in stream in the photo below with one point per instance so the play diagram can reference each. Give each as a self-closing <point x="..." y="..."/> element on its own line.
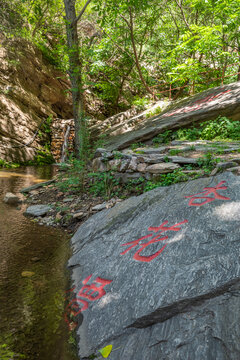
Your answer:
<point x="11" y="199"/>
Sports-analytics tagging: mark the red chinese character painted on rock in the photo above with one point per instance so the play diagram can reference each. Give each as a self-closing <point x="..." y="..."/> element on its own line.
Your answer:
<point x="90" y="292"/>
<point x="162" y="228"/>
<point x="204" y="195"/>
<point x="72" y="310"/>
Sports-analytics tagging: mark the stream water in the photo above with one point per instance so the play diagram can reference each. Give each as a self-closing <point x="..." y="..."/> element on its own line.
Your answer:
<point x="32" y="306"/>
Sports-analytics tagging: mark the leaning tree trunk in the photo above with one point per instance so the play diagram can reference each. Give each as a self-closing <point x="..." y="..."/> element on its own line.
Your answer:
<point x="75" y="68"/>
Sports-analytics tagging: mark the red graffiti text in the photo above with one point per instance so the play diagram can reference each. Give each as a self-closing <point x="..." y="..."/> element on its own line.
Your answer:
<point x="204" y="195"/>
<point x="87" y="293"/>
<point x="162" y="228"/>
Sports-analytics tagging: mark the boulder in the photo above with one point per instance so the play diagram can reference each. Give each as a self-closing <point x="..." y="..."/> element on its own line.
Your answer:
<point x="37" y="210"/>
<point x="208" y="105"/>
<point x="157" y="276"/>
<point x="161" y="168"/>
<point x="99" y="165"/>
<point x="11" y="199"/>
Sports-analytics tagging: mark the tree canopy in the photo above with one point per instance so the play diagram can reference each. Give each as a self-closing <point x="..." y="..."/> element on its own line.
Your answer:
<point x="133" y="50"/>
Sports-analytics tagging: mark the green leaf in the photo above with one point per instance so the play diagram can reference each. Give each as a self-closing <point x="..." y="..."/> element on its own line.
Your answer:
<point x="106" y="351"/>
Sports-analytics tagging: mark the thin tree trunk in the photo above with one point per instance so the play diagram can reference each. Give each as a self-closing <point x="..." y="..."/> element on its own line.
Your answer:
<point x="130" y="26"/>
<point x="75" y="74"/>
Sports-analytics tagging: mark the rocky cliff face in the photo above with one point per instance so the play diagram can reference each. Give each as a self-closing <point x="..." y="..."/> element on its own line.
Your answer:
<point x="31" y="90"/>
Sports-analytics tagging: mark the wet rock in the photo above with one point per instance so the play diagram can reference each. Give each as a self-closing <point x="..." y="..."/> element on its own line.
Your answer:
<point x="164" y="273"/>
<point x="161" y="168"/>
<point x="11" y="199"/>
<point x="37" y="210"/>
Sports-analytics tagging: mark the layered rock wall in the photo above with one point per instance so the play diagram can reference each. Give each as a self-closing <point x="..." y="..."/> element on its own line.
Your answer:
<point x="31" y="90"/>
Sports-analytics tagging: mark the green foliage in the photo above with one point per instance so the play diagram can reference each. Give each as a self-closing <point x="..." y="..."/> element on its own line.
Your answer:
<point x="173" y="152"/>
<point x="164" y="138"/>
<point x="140" y="103"/>
<point x="103" y="184"/>
<point x="167" y="179"/>
<point x="118" y="155"/>
<point x="136" y="146"/>
<point x="208" y="162"/>
<point x="154" y="112"/>
<point x="72" y="179"/>
<point x="43" y="157"/>
<point x="7" y="354"/>
<point x="8" y="165"/>
<point x="221" y="128"/>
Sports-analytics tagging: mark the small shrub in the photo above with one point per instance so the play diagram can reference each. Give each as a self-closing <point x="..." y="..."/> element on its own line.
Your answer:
<point x="103" y="184"/>
<point x="73" y="178"/>
<point x="140" y="103"/>
<point x="154" y="112"/>
<point x="136" y="146"/>
<point x="165" y="137"/>
<point x="174" y="151"/>
<point x="207" y="162"/>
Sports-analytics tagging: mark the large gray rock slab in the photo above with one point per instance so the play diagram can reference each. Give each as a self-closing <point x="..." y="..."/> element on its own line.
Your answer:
<point x="37" y="210"/>
<point x="174" y="292"/>
<point x="223" y="100"/>
<point x="208" y="330"/>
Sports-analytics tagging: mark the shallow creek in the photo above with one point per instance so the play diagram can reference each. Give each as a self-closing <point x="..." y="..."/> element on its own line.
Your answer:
<point x="32" y="303"/>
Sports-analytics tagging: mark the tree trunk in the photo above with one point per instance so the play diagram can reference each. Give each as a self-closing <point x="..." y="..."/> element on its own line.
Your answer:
<point x="75" y="69"/>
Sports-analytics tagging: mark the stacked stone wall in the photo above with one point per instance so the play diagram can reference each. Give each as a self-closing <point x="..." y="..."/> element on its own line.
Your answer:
<point x="59" y="128"/>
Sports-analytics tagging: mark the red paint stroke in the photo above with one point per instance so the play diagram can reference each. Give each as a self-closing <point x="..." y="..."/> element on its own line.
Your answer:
<point x="72" y="310"/>
<point x="162" y="228"/>
<point x="207" y="191"/>
<point x="93" y="292"/>
<point x="90" y="292"/>
<point x="196" y="105"/>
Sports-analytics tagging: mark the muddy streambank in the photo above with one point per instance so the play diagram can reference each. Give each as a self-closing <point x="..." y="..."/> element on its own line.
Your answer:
<point x="33" y="278"/>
